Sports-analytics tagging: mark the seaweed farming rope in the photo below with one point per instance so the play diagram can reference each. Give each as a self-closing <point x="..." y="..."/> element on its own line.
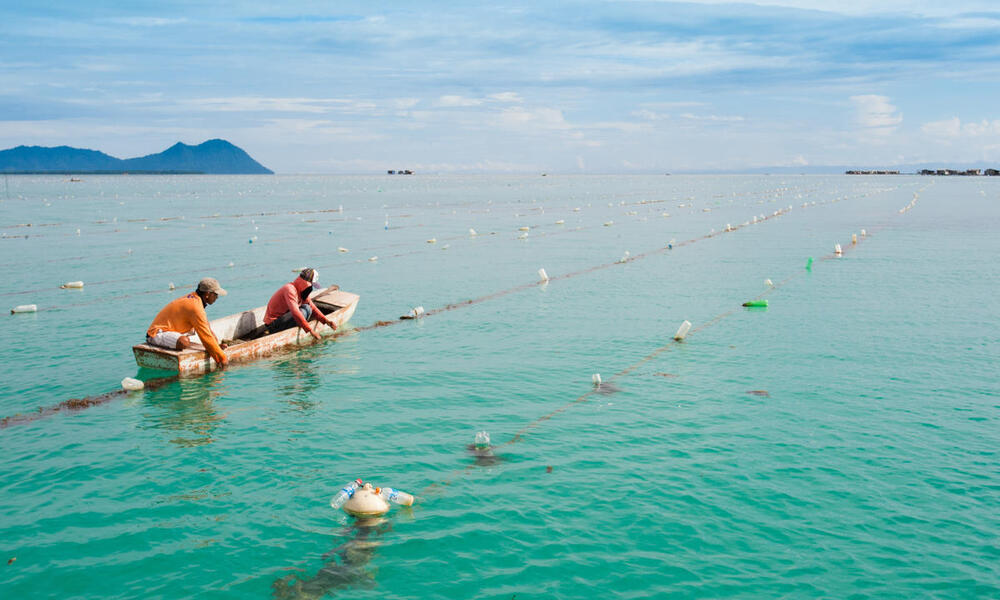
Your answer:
<point x="87" y="402"/>
<point x="519" y="435"/>
<point x="256" y="215"/>
<point x="366" y="249"/>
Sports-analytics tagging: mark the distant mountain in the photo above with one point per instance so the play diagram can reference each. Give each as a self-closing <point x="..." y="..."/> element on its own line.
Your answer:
<point x="211" y="157"/>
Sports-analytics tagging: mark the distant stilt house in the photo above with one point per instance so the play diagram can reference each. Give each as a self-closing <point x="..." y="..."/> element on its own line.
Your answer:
<point x="967" y="172"/>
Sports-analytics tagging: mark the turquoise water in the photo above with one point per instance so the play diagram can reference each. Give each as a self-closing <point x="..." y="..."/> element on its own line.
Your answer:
<point x="864" y="464"/>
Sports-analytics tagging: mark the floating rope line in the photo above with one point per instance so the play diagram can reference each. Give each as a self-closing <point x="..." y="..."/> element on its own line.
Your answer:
<point x="777" y="192"/>
<point x="79" y="404"/>
<point x="519" y="436"/>
<point x="422" y="249"/>
<point x="177" y="274"/>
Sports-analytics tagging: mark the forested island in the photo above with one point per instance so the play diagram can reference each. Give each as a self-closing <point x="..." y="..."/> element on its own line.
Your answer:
<point x="214" y="157"/>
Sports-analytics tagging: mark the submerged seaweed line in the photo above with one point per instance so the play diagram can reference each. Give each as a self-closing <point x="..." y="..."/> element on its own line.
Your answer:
<point x="462" y="204"/>
<point x="366" y="249"/>
<point x="673" y="343"/>
<point x="421" y="250"/>
<point x="78" y="404"/>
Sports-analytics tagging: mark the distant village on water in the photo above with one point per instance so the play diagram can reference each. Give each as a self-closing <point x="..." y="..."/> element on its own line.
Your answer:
<point x="966" y="172"/>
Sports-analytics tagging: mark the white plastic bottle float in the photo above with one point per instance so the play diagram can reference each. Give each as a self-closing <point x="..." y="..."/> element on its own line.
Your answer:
<point x="414" y="313"/>
<point x="345" y="493"/>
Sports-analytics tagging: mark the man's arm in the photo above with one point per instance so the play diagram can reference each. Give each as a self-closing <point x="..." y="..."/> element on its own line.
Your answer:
<point x="207" y="336"/>
<point x="320" y="316"/>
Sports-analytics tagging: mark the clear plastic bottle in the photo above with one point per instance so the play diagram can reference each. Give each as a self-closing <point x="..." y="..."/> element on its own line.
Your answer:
<point x="482" y="440"/>
<point x="345" y="492"/>
<point x="396" y="497"/>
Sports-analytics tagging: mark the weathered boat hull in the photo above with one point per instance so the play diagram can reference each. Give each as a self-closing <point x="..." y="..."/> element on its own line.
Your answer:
<point x="195" y="360"/>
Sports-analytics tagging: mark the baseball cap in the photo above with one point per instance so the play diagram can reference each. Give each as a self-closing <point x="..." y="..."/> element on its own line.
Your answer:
<point x="310" y="275"/>
<point x="210" y="284"/>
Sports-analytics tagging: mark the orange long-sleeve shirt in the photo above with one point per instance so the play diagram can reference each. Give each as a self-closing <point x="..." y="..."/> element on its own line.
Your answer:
<point x="184" y="314"/>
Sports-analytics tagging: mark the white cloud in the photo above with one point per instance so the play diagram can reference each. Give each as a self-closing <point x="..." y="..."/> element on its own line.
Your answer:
<point x="512" y="97"/>
<point x="984" y="127"/>
<point x="98" y="67"/>
<point x="405" y="103"/>
<point x="649" y="115"/>
<point x="457" y="101"/>
<point x="949" y="128"/>
<point x="672" y="105"/>
<point x="360" y="165"/>
<point x="146" y="21"/>
<point x="875" y="115"/>
<point x="953" y="128"/>
<point x="302" y="105"/>
<point x="623" y="126"/>
<point x="712" y="118"/>
<point x="318" y="130"/>
<point x="539" y="118"/>
<point x="868" y="7"/>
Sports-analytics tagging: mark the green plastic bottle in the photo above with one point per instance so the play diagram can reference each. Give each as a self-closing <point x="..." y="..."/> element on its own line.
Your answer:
<point x="809" y="264"/>
<point x="756" y="304"/>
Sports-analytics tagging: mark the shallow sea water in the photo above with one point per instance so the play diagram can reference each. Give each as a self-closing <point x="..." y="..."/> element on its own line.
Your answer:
<point x="840" y="443"/>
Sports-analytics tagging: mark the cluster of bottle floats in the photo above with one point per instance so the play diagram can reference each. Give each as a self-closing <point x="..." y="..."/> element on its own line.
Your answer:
<point x="360" y="499"/>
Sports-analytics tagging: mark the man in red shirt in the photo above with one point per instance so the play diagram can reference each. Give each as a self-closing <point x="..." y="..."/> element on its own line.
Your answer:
<point x="291" y="306"/>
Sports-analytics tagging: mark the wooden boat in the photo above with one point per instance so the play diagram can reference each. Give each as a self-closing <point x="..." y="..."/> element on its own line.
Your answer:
<point x="337" y="305"/>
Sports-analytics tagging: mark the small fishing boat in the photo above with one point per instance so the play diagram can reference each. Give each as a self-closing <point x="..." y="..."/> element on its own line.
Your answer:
<point x="337" y="305"/>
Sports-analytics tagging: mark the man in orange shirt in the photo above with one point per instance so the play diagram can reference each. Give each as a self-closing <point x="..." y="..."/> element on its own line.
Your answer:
<point x="173" y="325"/>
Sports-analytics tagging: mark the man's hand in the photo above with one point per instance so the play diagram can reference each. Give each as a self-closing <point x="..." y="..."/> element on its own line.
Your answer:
<point x="315" y="335"/>
<point x="332" y="325"/>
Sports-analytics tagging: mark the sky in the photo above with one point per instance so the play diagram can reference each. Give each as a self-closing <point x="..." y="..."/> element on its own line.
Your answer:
<point x="510" y="87"/>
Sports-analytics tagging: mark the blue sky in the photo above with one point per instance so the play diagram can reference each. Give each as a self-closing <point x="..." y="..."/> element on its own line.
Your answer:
<point x="594" y="87"/>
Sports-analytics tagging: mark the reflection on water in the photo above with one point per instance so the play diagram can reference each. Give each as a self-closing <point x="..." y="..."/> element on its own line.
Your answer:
<point x="296" y="377"/>
<point x="345" y="566"/>
<point x="185" y="408"/>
